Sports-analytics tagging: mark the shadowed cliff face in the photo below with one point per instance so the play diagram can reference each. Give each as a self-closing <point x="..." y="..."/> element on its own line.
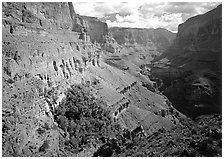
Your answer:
<point x="194" y="61"/>
<point x="198" y="39"/>
<point x="201" y="30"/>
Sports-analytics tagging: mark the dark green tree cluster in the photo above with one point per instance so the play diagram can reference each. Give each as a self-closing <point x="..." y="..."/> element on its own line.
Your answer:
<point x="84" y="118"/>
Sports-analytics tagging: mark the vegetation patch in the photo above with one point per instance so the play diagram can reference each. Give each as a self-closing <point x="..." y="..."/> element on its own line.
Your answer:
<point x="84" y="120"/>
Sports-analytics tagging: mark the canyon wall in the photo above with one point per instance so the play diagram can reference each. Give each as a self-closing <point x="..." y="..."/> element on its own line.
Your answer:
<point x="198" y="41"/>
<point x="162" y="38"/>
<point x="200" y="30"/>
<point x="52" y="41"/>
<point x="44" y="49"/>
<point x="191" y="67"/>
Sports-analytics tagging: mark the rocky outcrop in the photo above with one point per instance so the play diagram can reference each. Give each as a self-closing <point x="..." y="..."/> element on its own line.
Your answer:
<point x="110" y="44"/>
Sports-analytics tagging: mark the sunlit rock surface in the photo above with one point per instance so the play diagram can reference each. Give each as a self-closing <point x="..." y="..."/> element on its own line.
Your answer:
<point x="47" y="47"/>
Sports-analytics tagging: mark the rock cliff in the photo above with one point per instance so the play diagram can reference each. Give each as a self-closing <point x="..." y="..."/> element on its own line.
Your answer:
<point x="96" y="29"/>
<point x="198" y="34"/>
<point x="194" y="61"/>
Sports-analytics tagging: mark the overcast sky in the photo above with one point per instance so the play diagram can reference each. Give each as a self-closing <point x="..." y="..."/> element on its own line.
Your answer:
<point x="142" y="14"/>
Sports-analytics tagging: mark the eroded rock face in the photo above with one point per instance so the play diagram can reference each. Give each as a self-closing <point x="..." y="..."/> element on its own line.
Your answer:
<point x="46" y="15"/>
<point x="44" y="51"/>
<point x="96" y="29"/>
<point x="47" y="48"/>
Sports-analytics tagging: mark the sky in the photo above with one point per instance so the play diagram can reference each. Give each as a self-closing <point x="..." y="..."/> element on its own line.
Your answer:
<point x="143" y="14"/>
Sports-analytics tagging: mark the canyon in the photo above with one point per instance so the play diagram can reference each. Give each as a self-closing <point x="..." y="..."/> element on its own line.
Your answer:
<point x="191" y="67"/>
<point x="47" y="48"/>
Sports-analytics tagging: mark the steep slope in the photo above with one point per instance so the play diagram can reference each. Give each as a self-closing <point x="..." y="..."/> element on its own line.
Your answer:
<point x="194" y="61"/>
<point x="46" y="48"/>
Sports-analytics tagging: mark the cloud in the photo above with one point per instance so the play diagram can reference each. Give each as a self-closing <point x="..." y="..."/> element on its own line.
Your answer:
<point x="103" y="8"/>
<point x="142" y="14"/>
<point x="187" y="8"/>
<point x="147" y="10"/>
<point x="83" y="8"/>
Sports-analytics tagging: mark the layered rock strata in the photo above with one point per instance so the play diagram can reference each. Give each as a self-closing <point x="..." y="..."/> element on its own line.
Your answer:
<point x="46" y="48"/>
<point x="161" y="38"/>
